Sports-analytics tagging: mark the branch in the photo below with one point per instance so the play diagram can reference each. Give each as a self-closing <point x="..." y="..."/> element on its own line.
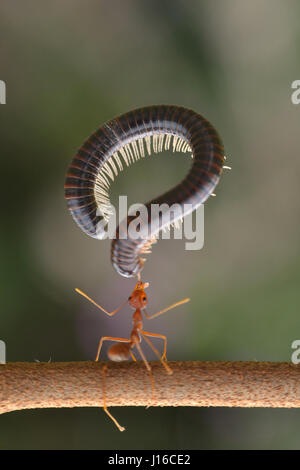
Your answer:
<point x="56" y="385"/>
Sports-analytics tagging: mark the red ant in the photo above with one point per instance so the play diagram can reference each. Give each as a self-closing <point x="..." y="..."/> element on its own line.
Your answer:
<point x="121" y="350"/>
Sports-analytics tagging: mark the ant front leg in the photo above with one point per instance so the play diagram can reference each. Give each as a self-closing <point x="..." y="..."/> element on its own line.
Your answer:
<point x="110" y="314"/>
<point x="184" y="301"/>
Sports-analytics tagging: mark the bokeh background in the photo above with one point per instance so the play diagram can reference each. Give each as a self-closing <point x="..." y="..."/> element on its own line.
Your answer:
<point x="71" y="65"/>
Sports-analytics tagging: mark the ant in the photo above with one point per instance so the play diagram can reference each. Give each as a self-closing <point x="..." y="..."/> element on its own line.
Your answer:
<point x="121" y="350"/>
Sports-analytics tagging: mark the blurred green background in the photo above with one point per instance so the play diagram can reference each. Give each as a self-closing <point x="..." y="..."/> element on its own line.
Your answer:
<point x="71" y="65"/>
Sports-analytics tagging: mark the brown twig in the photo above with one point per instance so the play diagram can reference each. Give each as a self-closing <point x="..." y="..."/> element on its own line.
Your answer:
<point x="55" y="385"/>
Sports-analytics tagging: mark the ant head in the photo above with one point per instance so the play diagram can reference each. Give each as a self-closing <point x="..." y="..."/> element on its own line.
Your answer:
<point x="138" y="298"/>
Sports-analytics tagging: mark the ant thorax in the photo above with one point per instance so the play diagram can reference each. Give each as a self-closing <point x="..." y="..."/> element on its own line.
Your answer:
<point x="137" y="317"/>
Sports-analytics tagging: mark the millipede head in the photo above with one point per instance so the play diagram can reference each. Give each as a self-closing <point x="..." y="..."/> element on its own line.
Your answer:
<point x="125" y="140"/>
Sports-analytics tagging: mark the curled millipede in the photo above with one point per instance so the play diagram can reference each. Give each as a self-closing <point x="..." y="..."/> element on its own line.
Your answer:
<point x="123" y="141"/>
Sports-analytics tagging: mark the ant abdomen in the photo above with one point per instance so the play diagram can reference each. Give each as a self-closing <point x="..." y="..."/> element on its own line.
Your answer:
<point x="119" y="352"/>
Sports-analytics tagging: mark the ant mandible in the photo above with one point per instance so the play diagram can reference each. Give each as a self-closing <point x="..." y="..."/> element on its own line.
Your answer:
<point x="121" y="350"/>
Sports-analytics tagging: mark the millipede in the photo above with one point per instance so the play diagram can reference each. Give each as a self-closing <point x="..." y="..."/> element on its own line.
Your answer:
<point x="123" y="141"/>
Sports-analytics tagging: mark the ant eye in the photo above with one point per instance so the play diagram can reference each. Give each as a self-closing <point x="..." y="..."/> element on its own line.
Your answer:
<point x="144" y="299"/>
<point x="130" y="297"/>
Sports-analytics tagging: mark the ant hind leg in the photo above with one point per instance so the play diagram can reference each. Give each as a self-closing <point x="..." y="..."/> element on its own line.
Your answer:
<point x="121" y="428"/>
<point x="166" y="366"/>
<point x="148" y="367"/>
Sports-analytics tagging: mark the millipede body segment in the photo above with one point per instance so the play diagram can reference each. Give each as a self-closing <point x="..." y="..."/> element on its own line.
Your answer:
<point x="124" y="140"/>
